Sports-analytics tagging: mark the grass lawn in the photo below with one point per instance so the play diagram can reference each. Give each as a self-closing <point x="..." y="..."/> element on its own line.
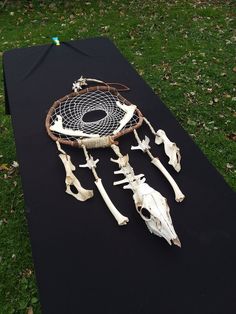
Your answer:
<point x="185" y="50"/>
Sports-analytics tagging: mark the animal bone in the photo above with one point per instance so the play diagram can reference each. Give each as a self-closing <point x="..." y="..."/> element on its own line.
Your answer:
<point x="82" y="194"/>
<point x="121" y="220"/>
<point x="91" y="164"/>
<point x="171" y="149"/>
<point x="179" y="196"/>
<point x="143" y="145"/>
<point x="149" y="203"/>
<point x="77" y="85"/>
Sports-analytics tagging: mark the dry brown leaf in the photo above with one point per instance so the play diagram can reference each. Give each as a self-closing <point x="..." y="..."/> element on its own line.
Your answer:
<point x="234" y="69"/>
<point x="30" y="310"/>
<point x="232" y="136"/>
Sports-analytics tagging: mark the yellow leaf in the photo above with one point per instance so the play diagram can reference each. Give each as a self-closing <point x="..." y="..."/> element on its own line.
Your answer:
<point x="4" y="167"/>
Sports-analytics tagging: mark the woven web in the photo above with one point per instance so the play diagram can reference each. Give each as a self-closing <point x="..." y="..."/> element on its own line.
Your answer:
<point x="73" y="109"/>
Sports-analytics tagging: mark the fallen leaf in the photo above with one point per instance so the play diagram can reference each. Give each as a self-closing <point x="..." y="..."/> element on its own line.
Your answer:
<point x="4" y="167"/>
<point x="34" y="300"/>
<point x="234" y="69"/>
<point x="232" y="136"/>
<point x="30" y="310"/>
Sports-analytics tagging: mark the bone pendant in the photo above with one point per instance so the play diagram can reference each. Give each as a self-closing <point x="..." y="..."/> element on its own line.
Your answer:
<point x="145" y="148"/>
<point x="171" y="149"/>
<point x="154" y="210"/>
<point x="121" y="220"/>
<point x="91" y="164"/>
<point x="82" y="194"/>
<point x="150" y="204"/>
<point x="179" y="196"/>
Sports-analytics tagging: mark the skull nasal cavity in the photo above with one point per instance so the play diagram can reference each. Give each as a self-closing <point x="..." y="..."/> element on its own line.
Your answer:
<point x="94" y="115"/>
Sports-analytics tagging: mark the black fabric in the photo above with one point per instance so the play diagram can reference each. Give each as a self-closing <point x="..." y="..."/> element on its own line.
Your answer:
<point x="84" y="262"/>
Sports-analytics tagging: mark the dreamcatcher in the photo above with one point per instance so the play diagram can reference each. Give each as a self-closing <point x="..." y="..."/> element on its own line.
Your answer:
<point x="66" y="124"/>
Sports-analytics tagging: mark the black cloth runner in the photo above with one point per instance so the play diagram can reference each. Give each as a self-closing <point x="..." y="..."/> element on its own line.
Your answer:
<point x="84" y="262"/>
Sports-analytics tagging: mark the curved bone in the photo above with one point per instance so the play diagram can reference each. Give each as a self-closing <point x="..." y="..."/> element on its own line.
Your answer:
<point x="144" y="146"/>
<point x="171" y="149"/>
<point x="58" y="127"/>
<point x="91" y="164"/>
<point x="82" y="194"/>
<point x="145" y="197"/>
<point x="129" y="111"/>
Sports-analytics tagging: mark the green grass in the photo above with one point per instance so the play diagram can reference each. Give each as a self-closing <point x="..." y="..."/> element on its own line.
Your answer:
<point x="185" y="50"/>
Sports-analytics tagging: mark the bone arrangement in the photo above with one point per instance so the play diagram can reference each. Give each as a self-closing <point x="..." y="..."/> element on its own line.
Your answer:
<point x="66" y="124"/>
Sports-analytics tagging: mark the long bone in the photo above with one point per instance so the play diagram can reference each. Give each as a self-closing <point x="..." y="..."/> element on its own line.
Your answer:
<point x="144" y="146"/>
<point x="71" y="180"/>
<point x="91" y="164"/>
<point x="171" y="149"/>
<point x="149" y="203"/>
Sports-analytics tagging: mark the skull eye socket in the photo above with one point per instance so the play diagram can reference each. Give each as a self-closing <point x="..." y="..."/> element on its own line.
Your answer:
<point x="145" y="214"/>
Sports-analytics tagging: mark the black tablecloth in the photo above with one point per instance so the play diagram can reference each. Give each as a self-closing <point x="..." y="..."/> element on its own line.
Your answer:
<point x="84" y="262"/>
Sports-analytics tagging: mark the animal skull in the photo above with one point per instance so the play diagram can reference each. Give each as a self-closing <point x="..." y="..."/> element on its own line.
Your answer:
<point x="154" y="210"/>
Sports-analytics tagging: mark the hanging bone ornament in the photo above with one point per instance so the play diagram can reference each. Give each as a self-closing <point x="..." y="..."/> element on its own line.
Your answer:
<point x="77" y="85"/>
<point x="71" y="180"/>
<point x="76" y="120"/>
<point x="144" y="146"/>
<point x="82" y="81"/>
<point x="171" y="149"/>
<point x="91" y="164"/>
<point x="150" y="204"/>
